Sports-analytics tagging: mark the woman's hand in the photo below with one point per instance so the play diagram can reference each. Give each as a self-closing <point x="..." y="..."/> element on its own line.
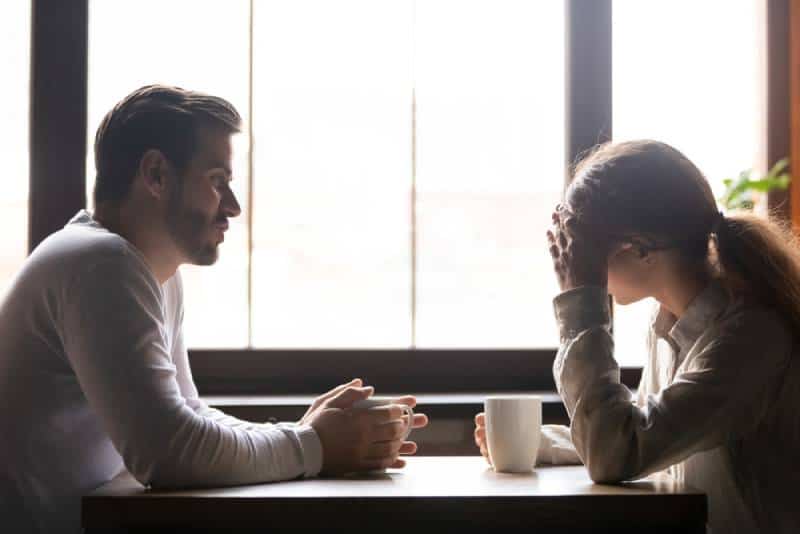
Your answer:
<point x="580" y="258"/>
<point x="480" y="436"/>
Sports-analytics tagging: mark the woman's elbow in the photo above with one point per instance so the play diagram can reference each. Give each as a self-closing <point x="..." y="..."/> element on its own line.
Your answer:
<point x="606" y="471"/>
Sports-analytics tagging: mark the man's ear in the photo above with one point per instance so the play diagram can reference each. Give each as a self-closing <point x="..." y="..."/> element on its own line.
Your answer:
<point x="153" y="169"/>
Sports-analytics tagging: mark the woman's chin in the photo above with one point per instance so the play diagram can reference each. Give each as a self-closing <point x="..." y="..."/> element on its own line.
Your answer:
<point x="624" y="300"/>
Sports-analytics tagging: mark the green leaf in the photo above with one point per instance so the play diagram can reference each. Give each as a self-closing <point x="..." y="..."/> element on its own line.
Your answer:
<point x="738" y="191"/>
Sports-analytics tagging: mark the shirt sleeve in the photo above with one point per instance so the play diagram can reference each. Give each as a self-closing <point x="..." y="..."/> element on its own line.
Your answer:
<point x="709" y="401"/>
<point x="556" y="447"/>
<point x="115" y="338"/>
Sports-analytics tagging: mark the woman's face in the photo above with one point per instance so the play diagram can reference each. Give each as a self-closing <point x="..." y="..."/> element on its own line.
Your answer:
<point x="630" y="274"/>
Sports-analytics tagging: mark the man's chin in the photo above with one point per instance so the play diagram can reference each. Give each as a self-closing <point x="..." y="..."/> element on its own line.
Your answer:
<point x="207" y="256"/>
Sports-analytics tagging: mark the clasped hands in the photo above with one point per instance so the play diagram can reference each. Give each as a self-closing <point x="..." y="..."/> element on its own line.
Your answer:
<point x="356" y="440"/>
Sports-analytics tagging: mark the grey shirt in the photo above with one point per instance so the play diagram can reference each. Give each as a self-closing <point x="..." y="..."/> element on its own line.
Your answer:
<point x="94" y="377"/>
<point x="718" y="404"/>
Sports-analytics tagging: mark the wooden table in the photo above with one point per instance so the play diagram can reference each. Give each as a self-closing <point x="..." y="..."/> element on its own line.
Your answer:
<point x="431" y="491"/>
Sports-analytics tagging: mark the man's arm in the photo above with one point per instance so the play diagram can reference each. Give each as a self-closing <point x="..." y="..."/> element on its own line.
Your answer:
<point x="114" y="336"/>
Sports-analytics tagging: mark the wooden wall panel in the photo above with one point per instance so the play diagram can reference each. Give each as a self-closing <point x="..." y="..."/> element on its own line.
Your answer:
<point x="794" y="111"/>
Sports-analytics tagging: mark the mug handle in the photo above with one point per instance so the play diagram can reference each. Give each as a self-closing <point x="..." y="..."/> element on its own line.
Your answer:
<point x="410" y="414"/>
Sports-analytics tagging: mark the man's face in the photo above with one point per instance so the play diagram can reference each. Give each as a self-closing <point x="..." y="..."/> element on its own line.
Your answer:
<point x="201" y="201"/>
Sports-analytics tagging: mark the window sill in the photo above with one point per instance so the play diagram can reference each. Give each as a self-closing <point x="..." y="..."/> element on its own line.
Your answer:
<point x="435" y="405"/>
<point x="450" y="432"/>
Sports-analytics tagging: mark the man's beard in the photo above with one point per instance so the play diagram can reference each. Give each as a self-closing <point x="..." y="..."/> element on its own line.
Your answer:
<point x="189" y="229"/>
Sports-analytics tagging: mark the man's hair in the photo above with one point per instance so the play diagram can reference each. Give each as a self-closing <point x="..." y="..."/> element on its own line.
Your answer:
<point x="154" y="117"/>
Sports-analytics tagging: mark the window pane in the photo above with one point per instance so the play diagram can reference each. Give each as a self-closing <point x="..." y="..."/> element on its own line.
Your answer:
<point x="490" y="129"/>
<point x="15" y="41"/>
<point x="200" y="45"/>
<point x="698" y="91"/>
<point x="332" y="120"/>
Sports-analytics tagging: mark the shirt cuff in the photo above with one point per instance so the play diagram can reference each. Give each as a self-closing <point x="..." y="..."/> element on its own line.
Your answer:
<point x="581" y="308"/>
<point x="312" y="450"/>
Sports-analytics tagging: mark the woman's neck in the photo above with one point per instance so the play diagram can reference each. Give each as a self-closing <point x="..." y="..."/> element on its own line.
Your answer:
<point x="679" y="289"/>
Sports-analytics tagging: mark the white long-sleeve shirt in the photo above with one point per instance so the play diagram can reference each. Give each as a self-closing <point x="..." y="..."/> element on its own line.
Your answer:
<point x="94" y="377"/>
<point x="718" y="404"/>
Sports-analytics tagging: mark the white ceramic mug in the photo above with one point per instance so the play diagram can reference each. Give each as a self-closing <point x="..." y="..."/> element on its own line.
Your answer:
<point x="513" y="432"/>
<point x="373" y="402"/>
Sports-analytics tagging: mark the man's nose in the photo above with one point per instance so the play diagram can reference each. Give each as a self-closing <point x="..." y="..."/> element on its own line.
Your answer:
<point x="230" y="206"/>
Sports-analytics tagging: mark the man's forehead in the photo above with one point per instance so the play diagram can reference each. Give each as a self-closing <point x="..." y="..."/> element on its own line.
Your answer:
<point x="214" y="149"/>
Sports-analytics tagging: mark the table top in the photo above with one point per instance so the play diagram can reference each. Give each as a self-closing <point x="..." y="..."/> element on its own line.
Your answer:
<point x="441" y="488"/>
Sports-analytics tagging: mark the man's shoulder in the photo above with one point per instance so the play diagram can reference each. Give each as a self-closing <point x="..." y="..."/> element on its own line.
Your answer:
<point x="78" y="249"/>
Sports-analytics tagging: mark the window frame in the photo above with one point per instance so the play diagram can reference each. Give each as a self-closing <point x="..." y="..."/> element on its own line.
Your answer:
<point x="59" y="92"/>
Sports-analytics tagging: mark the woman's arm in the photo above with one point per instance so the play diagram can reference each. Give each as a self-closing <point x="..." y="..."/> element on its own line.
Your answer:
<point x="710" y="400"/>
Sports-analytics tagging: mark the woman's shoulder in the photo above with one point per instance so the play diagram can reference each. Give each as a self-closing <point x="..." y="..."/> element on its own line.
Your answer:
<point x="747" y="326"/>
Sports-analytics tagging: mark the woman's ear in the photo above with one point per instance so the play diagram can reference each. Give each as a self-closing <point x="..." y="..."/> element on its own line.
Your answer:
<point x="647" y="256"/>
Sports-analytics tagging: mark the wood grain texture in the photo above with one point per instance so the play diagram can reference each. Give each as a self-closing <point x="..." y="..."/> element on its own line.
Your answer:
<point x="794" y="92"/>
<point x="588" y="103"/>
<point x="458" y="490"/>
<point x="59" y="63"/>
<point x="777" y="126"/>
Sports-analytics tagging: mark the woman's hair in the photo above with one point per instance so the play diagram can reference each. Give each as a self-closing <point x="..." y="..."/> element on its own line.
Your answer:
<point x="648" y="193"/>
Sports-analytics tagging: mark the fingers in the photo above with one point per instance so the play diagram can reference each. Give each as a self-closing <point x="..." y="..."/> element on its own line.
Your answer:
<point x="408" y="400"/>
<point x="420" y="420"/>
<point x="384" y="455"/>
<point x="408" y="447"/>
<point x="480" y="439"/>
<point x="390" y="431"/>
<point x="356" y="382"/>
<point x="381" y="463"/>
<point x="485" y="454"/>
<point x="399" y="464"/>
<point x="384" y="449"/>
<point x="480" y="419"/>
<point x="350" y="395"/>
<point x="383" y="414"/>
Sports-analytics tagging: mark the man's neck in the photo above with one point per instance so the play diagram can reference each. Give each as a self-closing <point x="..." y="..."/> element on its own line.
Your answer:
<point x="150" y="240"/>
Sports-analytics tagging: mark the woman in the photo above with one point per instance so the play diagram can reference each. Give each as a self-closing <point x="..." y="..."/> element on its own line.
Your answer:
<point x="719" y="400"/>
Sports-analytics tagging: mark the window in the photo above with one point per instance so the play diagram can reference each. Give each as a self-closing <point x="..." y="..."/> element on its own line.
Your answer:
<point x="15" y="57"/>
<point x="207" y="50"/>
<point x="400" y="158"/>
<point x="405" y="156"/>
<point x="693" y="81"/>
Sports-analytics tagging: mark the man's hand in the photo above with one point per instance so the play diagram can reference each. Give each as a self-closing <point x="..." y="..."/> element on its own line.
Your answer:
<point x="322" y="399"/>
<point x="480" y="436"/>
<point x="579" y="257"/>
<point x="420" y="421"/>
<point x="361" y="440"/>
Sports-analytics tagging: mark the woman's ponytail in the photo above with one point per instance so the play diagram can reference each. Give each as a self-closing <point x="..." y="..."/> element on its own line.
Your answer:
<point x="760" y="258"/>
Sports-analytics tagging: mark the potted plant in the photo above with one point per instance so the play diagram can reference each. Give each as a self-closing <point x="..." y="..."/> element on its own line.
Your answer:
<point x="748" y="193"/>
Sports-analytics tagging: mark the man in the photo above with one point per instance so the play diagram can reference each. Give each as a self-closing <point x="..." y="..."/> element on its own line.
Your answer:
<point x="94" y="375"/>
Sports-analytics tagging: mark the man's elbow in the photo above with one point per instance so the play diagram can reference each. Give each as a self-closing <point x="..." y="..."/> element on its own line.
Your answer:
<point x="155" y="470"/>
